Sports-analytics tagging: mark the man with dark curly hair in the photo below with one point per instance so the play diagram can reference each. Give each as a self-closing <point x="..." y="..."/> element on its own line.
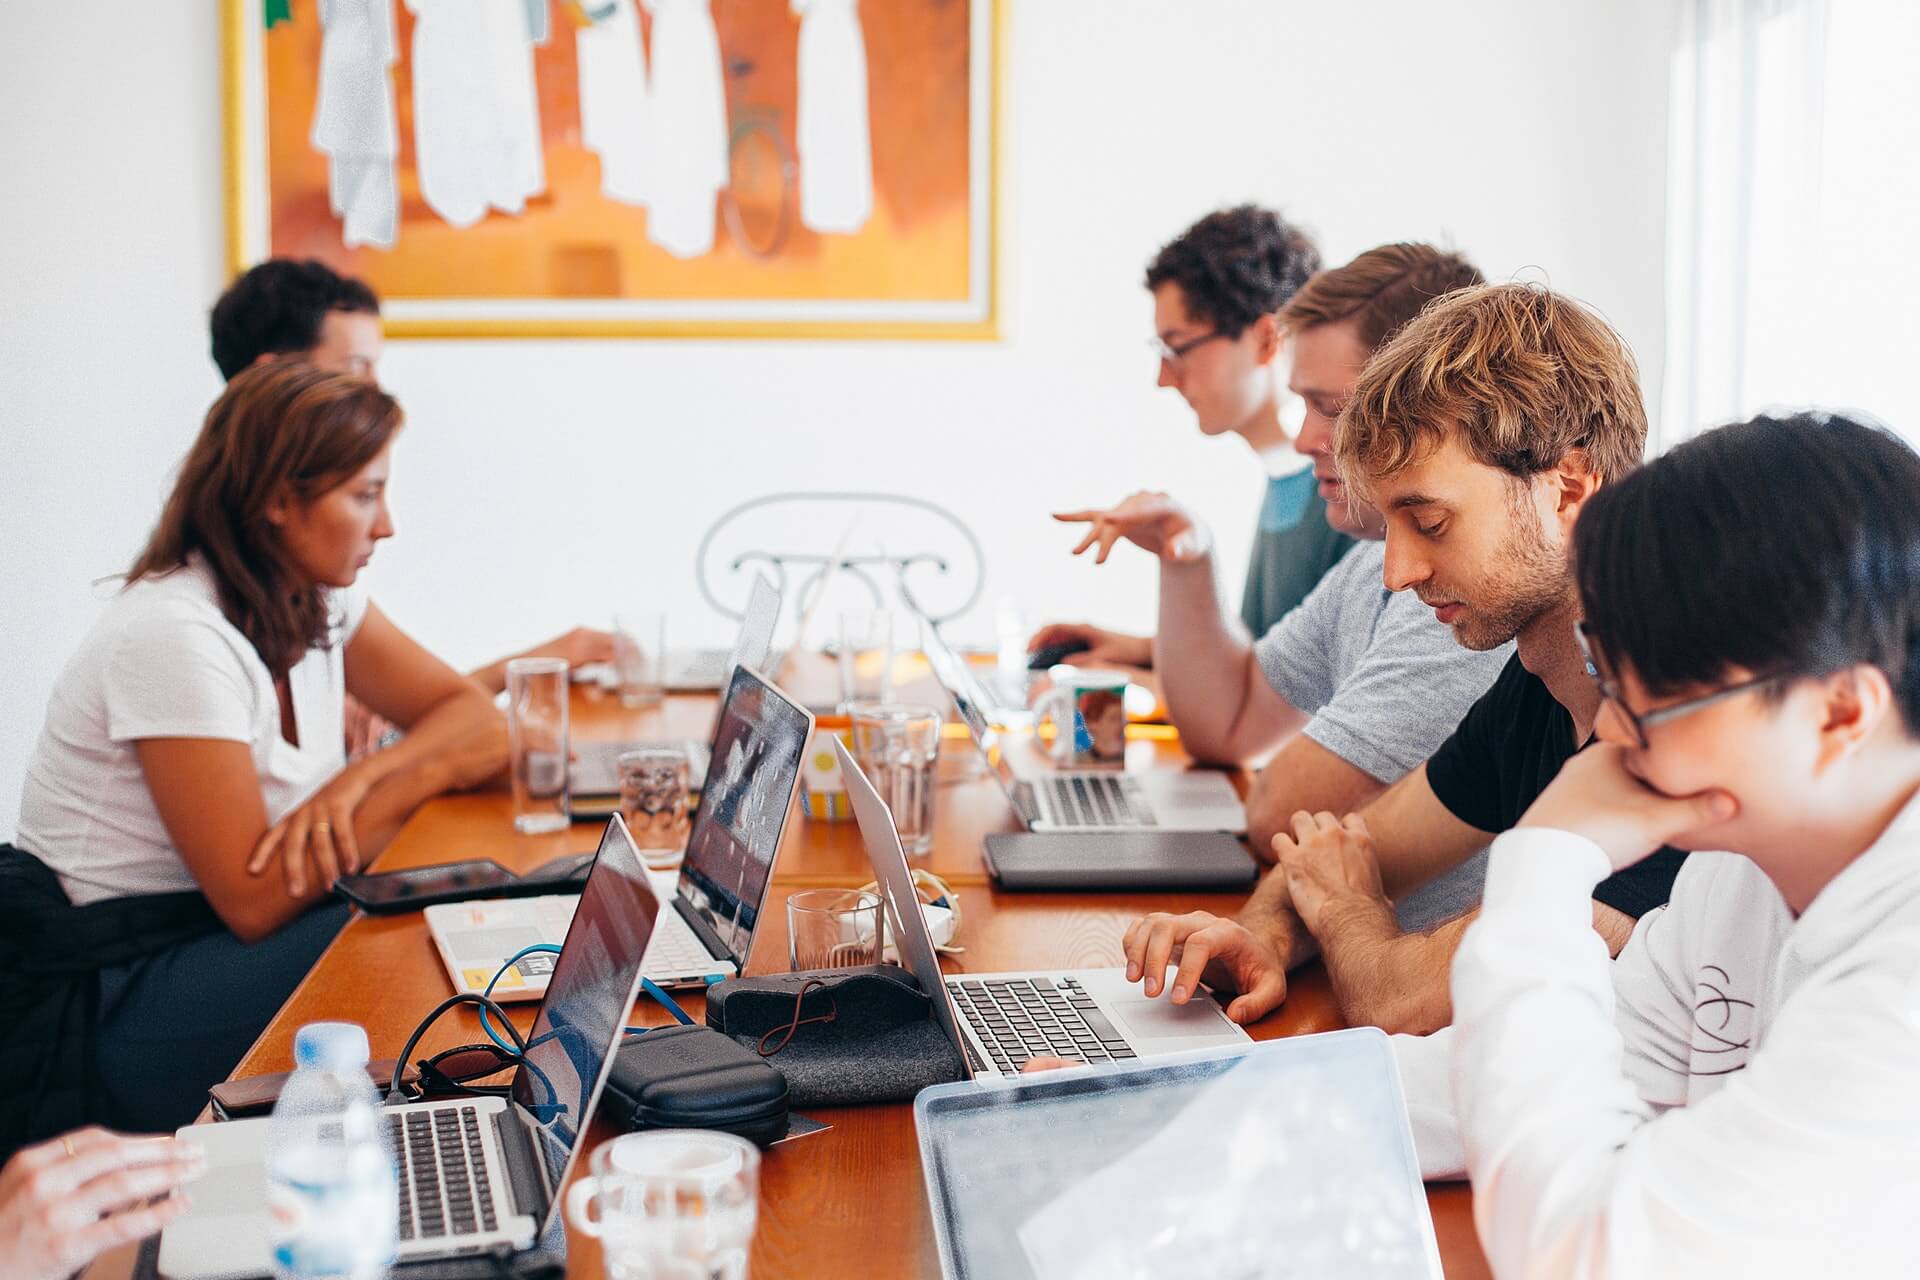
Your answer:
<point x="1217" y="290"/>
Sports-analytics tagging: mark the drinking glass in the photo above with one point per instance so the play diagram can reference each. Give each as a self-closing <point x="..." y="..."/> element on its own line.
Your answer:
<point x="537" y="742"/>
<point x="866" y="656"/>
<point x="833" y="928"/>
<point x="670" y="1204"/>
<point x="653" y="800"/>
<point x="898" y="745"/>
<point x="639" y="657"/>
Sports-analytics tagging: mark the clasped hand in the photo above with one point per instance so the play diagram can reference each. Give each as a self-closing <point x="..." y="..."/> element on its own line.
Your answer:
<point x="1328" y="862"/>
<point x="314" y="840"/>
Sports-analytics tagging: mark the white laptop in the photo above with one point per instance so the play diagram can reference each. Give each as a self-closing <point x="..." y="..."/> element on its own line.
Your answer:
<point x="593" y="783"/>
<point x="999" y="1020"/>
<point x="476" y="1174"/>
<point x="1046" y="798"/>
<point x="758" y="743"/>
<point x="1289" y="1158"/>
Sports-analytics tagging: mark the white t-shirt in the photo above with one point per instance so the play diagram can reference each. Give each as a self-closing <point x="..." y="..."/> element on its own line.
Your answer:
<point x="163" y="662"/>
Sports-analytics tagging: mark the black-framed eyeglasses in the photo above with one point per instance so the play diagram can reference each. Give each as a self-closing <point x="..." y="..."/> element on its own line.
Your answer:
<point x="453" y="1071"/>
<point x="1641" y="721"/>
<point x="1176" y="353"/>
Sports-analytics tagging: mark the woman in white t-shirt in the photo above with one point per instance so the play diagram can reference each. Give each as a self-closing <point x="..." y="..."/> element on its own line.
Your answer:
<point x="194" y="740"/>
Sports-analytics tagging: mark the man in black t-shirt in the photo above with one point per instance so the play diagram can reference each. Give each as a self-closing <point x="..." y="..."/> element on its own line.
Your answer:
<point x="1480" y="431"/>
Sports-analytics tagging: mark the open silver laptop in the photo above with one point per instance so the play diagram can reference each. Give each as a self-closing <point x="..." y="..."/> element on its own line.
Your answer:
<point x="593" y="782"/>
<point x="1291" y="1157"/>
<point x="758" y="743"/>
<point x="1046" y="798"/>
<point x="999" y="1020"/>
<point x="476" y="1174"/>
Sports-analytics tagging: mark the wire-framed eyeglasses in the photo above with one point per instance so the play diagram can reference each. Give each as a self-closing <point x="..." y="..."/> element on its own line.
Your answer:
<point x="1175" y="354"/>
<point x="1641" y="721"/>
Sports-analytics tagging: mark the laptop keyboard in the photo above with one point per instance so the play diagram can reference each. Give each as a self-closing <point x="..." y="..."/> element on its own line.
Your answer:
<point x="1095" y="800"/>
<point x="674" y="948"/>
<point x="444" y="1190"/>
<point x="1021" y="1018"/>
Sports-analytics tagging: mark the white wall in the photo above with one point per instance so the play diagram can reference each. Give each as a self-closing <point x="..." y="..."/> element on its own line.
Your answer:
<point x="1528" y="133"/>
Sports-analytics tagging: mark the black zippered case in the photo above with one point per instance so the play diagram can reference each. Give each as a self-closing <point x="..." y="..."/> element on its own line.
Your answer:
<point x="693" y="1077"/>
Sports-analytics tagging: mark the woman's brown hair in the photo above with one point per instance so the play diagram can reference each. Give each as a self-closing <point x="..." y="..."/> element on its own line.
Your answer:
<point x="281" y="429"/>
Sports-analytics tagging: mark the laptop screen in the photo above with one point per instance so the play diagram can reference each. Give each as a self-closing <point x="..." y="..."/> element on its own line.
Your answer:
<point x="950" y="669"/>
<point x="755" y="641"/>
<point x="593" y="986"/>
<point x="1291" y="1157"/>
<point x="757" y="748"/>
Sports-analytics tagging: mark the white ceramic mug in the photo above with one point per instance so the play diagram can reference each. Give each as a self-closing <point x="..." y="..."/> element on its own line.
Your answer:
<point x="670" y="1204"/>
<point x="1088" y="711"/>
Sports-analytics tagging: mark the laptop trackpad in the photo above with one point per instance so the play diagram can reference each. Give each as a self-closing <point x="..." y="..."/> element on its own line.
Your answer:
<point x="1144" y="1020"/>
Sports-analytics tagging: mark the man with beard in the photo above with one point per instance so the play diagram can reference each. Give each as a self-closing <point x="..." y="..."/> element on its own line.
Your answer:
<point x="1480" y="431"/>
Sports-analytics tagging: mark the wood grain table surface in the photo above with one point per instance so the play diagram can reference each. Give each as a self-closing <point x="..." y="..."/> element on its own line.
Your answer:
<point x="849" y="1201"/>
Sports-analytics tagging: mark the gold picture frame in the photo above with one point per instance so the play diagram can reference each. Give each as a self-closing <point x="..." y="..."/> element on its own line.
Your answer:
<point x="806" y="307"/>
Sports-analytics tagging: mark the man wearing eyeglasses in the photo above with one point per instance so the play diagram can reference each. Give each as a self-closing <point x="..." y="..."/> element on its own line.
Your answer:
<point x="1478" y="432"/>
<point x="1217" y="291"/>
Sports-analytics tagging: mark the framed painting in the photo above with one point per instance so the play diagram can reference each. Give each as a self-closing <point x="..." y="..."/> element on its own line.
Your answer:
<point x="627" y="168"/>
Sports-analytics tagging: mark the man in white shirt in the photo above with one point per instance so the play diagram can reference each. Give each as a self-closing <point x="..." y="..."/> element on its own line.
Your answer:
<point x="1735" y="1094"/>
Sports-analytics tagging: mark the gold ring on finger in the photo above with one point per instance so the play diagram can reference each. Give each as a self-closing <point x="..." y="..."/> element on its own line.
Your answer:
<point x="66" y="1143"/>
<point x="322" y="828"/>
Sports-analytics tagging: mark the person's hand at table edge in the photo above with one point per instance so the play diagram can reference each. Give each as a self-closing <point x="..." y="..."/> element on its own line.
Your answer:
<point x="65" y="1202"/>
<point x="1221" y="953"/>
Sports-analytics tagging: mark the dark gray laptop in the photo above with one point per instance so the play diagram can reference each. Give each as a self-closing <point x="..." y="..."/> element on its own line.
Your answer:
<point x="1120" y="860"/>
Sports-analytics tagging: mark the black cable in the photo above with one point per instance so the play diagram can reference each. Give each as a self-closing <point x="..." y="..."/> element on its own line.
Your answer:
<point x="397" y="1094"/>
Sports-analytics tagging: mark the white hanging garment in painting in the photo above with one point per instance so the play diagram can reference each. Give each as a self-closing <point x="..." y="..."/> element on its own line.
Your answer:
<point x="353" y="121"/>
<point x="689" y="151"/>
<point x="613" y="98"/>
<point x="476" y="113"/>
<point x="836" y="151"/>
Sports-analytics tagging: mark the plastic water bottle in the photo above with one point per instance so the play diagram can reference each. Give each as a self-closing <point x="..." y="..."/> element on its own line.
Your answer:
<point x="333" y="1200"/>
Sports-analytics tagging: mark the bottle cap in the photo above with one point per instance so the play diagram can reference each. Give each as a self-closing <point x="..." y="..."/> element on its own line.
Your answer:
<point x="330" y="1046"/>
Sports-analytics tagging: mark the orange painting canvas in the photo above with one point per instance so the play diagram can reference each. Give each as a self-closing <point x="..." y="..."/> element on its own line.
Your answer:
<point x="626" y="166"/>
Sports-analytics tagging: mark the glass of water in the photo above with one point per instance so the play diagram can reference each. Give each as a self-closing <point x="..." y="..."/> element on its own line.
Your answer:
<point x="833" y="928"/>
<point x="639" y="656"/>
<point x="653" y="801"/>
<point x="670" y="1204"/>
<point x="537" y="738"/>
<point x="898" y="747"/>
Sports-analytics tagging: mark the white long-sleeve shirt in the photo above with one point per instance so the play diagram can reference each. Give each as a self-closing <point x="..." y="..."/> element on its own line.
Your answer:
<point x="1737" y="1094"/>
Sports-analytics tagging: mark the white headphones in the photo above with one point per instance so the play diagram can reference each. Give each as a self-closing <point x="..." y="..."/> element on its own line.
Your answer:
<point x="939" y="906"/>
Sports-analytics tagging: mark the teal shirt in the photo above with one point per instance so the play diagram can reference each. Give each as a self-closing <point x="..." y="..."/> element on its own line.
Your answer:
<point x="1292" y="547"/>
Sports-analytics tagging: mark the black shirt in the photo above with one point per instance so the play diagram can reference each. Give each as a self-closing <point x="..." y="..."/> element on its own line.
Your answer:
<point x="1505" y="752"/>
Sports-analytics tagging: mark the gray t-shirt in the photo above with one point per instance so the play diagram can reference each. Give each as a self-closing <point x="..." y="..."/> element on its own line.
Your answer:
<point x="1386" y="683"/>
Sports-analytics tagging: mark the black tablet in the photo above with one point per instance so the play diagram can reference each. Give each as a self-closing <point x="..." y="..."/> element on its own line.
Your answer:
<point x="415" y="887"/>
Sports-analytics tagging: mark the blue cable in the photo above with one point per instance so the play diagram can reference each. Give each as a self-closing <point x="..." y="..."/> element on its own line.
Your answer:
<point x="547" y="948"/>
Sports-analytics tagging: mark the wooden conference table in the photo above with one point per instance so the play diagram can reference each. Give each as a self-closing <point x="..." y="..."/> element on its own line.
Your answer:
<point x="849" y="1201"/>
